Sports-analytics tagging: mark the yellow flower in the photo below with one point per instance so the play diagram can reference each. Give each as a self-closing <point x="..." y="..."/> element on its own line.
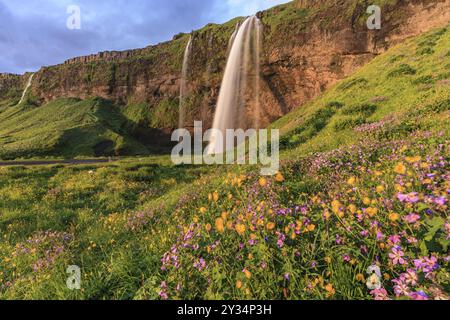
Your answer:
<point x="380" y="189"/>
<point x="270" y="226"/>
<point x="224" y="215"/>
<point x="239" y="284"/>
<point x="195" y="219"/>
<point x="413" y="159"/>
<point x="336" y="206"/>
<point x="394" y="217"/>
<point x="208" y="227"/>
<point x="311" y="227"/>
<point x="371" y="211"/>
<point x="400" y="168"/>
<point x="262" y="182"/>
<point x="360" y="277"/>
<point x="215" y="196"/>
<point x="240" y="228"/>
<point x="386" y="277"/>
<point x="367" y="201"/>
<point x="202" y="210"/>
<point x="279" y="177"/>
<point x="229" y="225"/>
<point x="352" y="181"/>
<point x="352" y="208"/>
<point x="330" y="290"/>
<point x="248" y="274"/>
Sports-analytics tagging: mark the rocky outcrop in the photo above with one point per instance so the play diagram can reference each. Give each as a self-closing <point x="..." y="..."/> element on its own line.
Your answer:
<point x="308" y="47"/>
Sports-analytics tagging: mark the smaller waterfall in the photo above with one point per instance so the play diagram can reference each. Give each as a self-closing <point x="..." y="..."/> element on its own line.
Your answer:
<point x="30" y="79"/>
<point x="183" y="84"/>
<point x="233" y="36"/>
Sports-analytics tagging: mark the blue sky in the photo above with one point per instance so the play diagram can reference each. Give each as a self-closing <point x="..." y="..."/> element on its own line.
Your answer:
<point x="33" y="33"/>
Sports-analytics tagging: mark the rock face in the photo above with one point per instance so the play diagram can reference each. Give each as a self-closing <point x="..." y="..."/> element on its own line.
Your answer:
<point x="308" y="47"/>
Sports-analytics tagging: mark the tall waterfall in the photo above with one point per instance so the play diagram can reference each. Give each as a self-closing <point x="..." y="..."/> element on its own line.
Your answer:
<point x="30" y="79"/>
<point x="183" y="85"/>
<point x="240" y="86"/>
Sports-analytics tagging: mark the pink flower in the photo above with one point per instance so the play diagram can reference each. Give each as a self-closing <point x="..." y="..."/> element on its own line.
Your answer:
<point x="420" y="295"/>
<point x="412" y="218"/>
<point x="380" y="294"/>
<point x="397" y="256"/>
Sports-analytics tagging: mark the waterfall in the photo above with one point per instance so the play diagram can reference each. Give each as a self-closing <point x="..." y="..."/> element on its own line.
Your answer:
<point x="237" y="92"/>
<point x="30" y="79"/>
<point x="233" y="36"/>
<point x="183" y="85"/>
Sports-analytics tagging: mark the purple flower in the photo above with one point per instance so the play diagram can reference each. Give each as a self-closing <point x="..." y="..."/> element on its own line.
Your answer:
<point x="397" y="256"/>
<point x="410" y="197"/>
<point x="412" y="218"/>
<point x="419" y="295"/>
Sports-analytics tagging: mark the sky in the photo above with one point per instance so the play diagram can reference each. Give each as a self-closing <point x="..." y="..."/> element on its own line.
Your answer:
<point x="34" y="33"/>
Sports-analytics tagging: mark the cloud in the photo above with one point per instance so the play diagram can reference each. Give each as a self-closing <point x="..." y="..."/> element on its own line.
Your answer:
<point x="34" y="33"/>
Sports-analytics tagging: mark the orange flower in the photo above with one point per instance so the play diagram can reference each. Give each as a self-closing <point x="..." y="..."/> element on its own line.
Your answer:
<point x="239" y="284"/>
<point x="400" y="168"/>
<point x="248" y="274"/>
<point x="279" y="177"/>
<point x="394" y="217"/>
<point x="240" y="228"/>
<point x="262" y="182"/>
<point x="215" y="196"/>
<point x="220" y="225"/>
<point x="270" y="226"/>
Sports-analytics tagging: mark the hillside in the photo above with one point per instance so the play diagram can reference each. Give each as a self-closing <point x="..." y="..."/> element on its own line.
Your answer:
<point x="364" y="181"/>
<point x="308" y="47"/>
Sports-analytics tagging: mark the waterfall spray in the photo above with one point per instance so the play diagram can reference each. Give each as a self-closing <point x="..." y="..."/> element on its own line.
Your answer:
<point x="183" y="85"/>
<point x="30" y="79"/>
<point x="235" y="94"/>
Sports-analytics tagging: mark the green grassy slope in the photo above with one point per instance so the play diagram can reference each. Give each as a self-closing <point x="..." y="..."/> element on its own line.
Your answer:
<point x="364" y="181"/>
<point x="66" y="128"/>
<point x="410" y="82"/>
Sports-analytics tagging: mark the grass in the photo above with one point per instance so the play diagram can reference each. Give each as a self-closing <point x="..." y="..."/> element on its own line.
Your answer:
<point x="345" y="198"/>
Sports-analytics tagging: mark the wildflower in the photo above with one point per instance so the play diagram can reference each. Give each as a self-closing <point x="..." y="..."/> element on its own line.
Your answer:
<point x="412" y="160"/>
<point x="240" y="229"/>
<point x="330" y="290"/>
<point x="410" y="277"/>
<point x="380" y="294"/>
<point x="397" y="256"/>
<point x="400" y="168"/>
<point x="215" y="196"/>
<point x="247" y="273"/>
<point x="352" y="181"/>
<point x="400" y="288"/>
<point x="208" y="227"/>
<point x="412" y="218"/>
<point x="380" y="189"/>
<point x="360" y="277"/>
<point x="371" y="211"/>
<point x="409" y="198"/>
<point x="202" y="210"/>
<point x="311" y="227"/>
<point x="239" y="284"/>
<point x="394" y="217"/>
<point x="327" y="260"/>
<point x="262" y="182"/>
<point x="279" y="177"/>
<point x="419" y="295"/>
<point x="270" y="226"/>
<point x="219" y="225"/>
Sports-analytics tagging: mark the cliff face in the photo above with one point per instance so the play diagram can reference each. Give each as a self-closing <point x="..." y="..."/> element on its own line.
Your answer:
<point x="308" y="47"/>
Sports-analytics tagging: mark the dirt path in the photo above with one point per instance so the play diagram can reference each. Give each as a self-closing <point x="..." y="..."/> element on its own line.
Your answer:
<point x="50" y="162"/>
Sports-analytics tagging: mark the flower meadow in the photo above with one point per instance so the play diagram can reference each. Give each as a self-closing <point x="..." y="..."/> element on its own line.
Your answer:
<point x="382" y="207"/>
